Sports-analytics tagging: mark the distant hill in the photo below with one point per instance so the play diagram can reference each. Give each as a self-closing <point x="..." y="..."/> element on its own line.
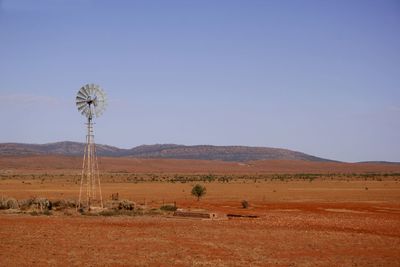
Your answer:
<point x="201" y="152"/>
<point x="379" y="162"/>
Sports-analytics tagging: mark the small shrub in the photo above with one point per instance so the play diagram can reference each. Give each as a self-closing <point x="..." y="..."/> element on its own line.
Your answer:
<point x="3" y="203"/>
<point x="245" y="204"/>
<point x="43" y="203"/>
<point x="25" y="204"/>
<point x="12" y="203"/>
<point x="126" y="205"/>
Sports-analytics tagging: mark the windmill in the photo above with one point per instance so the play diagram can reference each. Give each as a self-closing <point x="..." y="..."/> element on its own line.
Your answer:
<point x="91" y="102"/>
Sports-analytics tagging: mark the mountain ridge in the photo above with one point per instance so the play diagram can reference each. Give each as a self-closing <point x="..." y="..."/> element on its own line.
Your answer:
<point x="226" y="153"/>
<point x="174" y="151"/>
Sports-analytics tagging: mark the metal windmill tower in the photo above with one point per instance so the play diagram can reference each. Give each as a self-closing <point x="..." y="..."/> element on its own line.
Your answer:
<point x="91" y="102"/>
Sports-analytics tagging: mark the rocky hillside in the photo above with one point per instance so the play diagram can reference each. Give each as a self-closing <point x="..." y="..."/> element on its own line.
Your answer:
<point x="206" y="152"/>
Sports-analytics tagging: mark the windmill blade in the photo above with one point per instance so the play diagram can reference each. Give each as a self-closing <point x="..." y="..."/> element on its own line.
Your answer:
<point x="81" y="104"/>
<point x="78" y="102"/>
<point x="97" y="90"/>
<point x="103" y="98"/>
<point x="85" y="91"/>
<point x="81" y="93"/>
<point x="79" y="98"/>
<point x="82" y="107"/>
<point x="95" y="101"/>
<point x="100" y="109"/>
<point x="99" y="99"/>
<point x="89" y="90"/>
<point x="88" y="112"/>
<point x="92" y="89"/>
<point x="101" y="103"/>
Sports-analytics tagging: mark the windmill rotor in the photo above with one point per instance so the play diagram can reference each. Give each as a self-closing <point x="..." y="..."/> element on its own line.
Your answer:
<point x="91" y="100"/>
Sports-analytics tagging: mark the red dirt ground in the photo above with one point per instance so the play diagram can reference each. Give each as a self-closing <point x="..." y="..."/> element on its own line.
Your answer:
<point x="301" y="223"/>
<point x="304" y="235"/>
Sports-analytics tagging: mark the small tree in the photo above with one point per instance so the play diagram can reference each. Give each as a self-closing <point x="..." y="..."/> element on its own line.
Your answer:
<point x="198" y="191"/>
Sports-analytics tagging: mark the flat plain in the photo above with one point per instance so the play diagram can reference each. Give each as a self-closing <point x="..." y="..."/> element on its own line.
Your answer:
<point x="308" y="214"/>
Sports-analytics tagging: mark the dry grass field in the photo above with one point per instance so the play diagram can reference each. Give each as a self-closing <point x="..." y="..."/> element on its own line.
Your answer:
<point x="308" y="214"/>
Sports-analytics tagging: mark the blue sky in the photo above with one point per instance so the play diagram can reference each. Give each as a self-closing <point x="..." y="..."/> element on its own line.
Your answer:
<point x="321" y="77"/>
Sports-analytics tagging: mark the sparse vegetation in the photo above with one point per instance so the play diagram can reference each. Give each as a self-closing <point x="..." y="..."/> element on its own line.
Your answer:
<point x="62" y="204"/>
<point x="168" y="208"/>
<point x="47" y="212"/>
<point x="118" y="213"/>
<point x="38" y="213"/>
<point x="121" y="204"/>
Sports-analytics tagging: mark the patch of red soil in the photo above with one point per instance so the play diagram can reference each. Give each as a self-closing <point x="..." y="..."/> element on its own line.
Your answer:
<point x="287" y="234"/>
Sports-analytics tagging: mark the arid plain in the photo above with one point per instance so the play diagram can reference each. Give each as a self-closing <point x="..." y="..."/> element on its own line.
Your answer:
<point x="306" y="214"/>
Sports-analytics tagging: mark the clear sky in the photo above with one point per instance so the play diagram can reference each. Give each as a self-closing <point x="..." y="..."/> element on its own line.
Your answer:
<point x="321" y="77"/>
